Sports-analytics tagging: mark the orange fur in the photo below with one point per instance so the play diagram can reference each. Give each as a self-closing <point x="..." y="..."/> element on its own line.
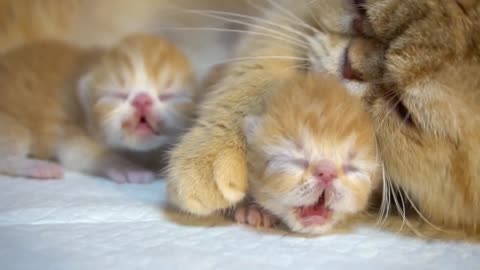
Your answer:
<point x="415" y="63"/>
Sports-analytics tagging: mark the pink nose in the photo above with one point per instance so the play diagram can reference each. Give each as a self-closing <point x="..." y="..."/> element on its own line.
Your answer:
<point x="326" y="171"/>
<point x="142" y="101"/>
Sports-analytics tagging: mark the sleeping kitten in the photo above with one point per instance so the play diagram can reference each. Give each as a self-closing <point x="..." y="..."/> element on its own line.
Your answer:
<point x="89" y="109"/>
<point x="311" y="157"/>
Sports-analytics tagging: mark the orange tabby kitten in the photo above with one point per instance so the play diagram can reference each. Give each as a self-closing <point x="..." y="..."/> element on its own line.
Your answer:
<point x="311" y="156"/>
<point x="414" y="63"/>
<point x="85" y="109"/>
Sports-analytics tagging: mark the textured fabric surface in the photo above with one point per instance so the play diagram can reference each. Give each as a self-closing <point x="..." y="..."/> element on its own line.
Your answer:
<point x="87" y="223"/>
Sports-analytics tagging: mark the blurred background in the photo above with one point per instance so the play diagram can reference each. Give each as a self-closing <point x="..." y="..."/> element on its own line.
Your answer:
<point x="203" y="35"/>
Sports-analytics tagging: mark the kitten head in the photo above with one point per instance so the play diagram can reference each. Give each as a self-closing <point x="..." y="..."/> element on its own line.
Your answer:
<point x="140" y="94"/>
<point x="312" y="155"/>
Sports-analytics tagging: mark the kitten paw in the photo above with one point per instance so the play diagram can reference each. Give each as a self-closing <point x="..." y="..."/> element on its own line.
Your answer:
<point x="254" y="216"/>
<point x="134" y="176"/>
<point x="207" y="173"/>
<point x="44" y="170"/>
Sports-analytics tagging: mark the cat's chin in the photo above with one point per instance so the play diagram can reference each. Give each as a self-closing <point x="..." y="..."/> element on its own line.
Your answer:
<point x="144" y="130"/>
<point x="141" y="140"/>
<point x="312" y="225"/>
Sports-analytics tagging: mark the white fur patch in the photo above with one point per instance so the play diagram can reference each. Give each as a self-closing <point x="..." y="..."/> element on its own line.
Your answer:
<point x="251" y="124"/>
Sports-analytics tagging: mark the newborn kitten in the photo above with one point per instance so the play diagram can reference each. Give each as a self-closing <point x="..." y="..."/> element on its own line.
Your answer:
<point x="311" y="156"/>
<point x="87" y="109"/>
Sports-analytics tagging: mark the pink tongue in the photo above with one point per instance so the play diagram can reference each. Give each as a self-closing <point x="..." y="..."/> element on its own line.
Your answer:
<point x="143" y="128"/>
<point x="315" y="210"/>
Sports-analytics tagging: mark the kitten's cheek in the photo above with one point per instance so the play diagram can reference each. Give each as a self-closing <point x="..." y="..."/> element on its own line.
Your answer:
<point x="350" y="197"/>
<point x="102" y="110"/>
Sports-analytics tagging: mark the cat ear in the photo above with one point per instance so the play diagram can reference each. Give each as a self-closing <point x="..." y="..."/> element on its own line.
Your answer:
<point x="251" y="125"/>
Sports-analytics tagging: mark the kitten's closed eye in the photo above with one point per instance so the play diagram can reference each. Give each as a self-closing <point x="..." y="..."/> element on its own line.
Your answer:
<point x="349" y="168"/>
<point x="113" y="97"/>
<point x="166" y="97"/>
<point x="281" y="162"/>
<point x="122" y="96"/>
<point x="175" y="97"/>
<point x="302" y="163"/>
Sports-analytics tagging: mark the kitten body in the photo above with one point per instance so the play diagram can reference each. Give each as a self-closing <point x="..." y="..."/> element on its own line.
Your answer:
<point x="89" y="109"/>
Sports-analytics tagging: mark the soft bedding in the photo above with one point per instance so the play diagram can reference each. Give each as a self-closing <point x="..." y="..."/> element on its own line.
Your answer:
<point x="83" y="222"/>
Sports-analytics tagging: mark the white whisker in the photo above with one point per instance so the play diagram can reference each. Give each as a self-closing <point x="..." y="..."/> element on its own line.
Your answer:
<point x="281" y="16"/>
<point x="290" y="14"/>
<point x="421" y="215"/>
<point x="238" y="59"/>
<point x="402" y="212"/>
<point x="390" y="111"/>
<point x="255" y="26"/>
<point x="213" y="29"/>
<point x="257" y="19"/>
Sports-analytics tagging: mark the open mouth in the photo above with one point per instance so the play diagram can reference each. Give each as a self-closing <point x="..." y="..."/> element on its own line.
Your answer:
<point x="318" y="213"/>
<point x="144" y="127"/>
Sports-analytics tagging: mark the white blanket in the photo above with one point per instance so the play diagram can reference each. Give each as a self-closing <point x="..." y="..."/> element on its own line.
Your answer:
<point x="87" y="223"/>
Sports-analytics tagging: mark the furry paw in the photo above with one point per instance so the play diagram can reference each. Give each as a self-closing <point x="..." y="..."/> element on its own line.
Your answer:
<point x="207" y="173"/>
<point x="254" y="216"/>
<point x="130" y="175"/>
<point x="44" y="170"/>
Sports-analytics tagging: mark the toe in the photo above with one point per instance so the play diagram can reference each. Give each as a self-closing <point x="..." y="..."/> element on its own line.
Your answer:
<point x="241" y="215"/>
<point x="116" y="176"/>
<point x="140" y="177"/>
<point x="254" y="217"/>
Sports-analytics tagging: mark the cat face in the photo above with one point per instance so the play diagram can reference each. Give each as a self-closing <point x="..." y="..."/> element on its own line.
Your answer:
<point x="140" y="94"/>
<point x="312" y="156"/>
<point x="417" y="65"/>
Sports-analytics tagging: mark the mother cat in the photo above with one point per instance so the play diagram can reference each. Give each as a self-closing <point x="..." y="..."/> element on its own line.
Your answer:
<point x="416" y="65"/>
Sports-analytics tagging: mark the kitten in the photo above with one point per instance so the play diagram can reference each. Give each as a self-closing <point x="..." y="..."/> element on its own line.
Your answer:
<point x="311" y="156"/>
<point x="89" y="109"/>
<point x="414" y="63"/>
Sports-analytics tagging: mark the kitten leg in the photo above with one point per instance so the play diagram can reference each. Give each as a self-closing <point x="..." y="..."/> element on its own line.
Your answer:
<point x="208" y="169"/>
<point x="14" y="148"/>
<point x="30" y="168"/>
<point x="81" y="153"/>
<point x="253" y="215"/>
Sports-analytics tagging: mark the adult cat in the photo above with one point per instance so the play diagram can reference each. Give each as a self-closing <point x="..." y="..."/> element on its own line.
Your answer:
<point x="416" y="65"/>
